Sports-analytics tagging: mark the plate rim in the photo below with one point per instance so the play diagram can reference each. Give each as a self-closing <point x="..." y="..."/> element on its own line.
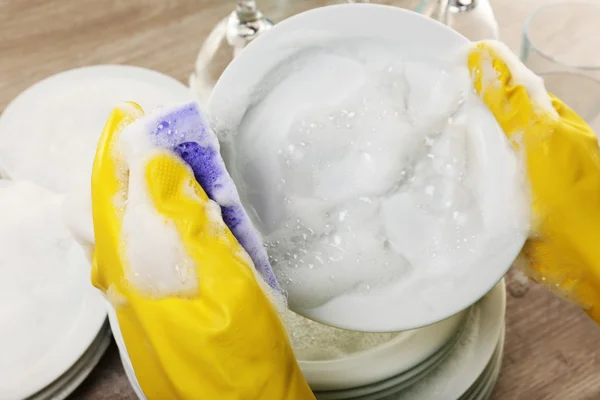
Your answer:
<point x="67" y="383"/>
<point x="106" y="70"/>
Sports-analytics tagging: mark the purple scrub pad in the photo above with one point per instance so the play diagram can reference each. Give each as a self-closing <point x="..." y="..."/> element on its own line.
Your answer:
<point x="184" y="130"/>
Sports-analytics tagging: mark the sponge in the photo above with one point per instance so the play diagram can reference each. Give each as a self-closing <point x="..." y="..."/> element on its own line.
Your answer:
<point x="184" y="130"/>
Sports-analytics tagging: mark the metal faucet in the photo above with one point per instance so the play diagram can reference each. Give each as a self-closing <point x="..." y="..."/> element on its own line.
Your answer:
<point x="461" y="5"/>
<point x="245" y="24"/>
<point x="439" y="9"/>
<point x="238" y="29"/>
<point x="473" y="18"/>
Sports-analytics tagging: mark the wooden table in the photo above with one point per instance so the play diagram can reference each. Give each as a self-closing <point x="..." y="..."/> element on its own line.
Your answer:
<point x="552" y="350"/>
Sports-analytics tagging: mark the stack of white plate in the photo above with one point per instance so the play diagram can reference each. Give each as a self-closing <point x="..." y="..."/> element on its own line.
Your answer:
<point x="301" y="64"/>
<point x="405" y="358"/>
<point x="466" y="367"/>
<point x="65" y="384"/>
<point x="53" y="321"/>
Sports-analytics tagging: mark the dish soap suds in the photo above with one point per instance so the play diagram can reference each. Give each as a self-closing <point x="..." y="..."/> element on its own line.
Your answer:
<point x="312" y="341"/>
<point x="50" y="132"/>
<point x="43" y="278"/>
<point x="157" y="262"/>
<point x="381" y="183"/>
<point x="183" y="132"/>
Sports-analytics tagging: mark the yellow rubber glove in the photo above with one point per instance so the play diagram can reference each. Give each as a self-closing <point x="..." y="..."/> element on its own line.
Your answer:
<point x="222" y="341"/>
<point x="562" y="158"/>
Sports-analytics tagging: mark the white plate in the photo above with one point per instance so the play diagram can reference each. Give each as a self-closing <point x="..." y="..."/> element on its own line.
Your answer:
<point x="258" y="71"/>
<point x="465" y="371"/>
<point x="486" y="393"/>
<point x="468" y="360"/>
<point x="56" y="329"/>
<point x="70" y="380"/>
<point x="489" y="375"/>
<point x="488" y="388"/>
<point x="76" y="118"/>
<point x="408" y="350"/>
<point x="390" y="359"/>
<point x="398" y="382"/>
<point x="450" y="380"/>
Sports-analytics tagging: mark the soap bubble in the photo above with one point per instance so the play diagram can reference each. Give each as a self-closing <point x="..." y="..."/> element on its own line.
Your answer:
<point x="366" y="183"/>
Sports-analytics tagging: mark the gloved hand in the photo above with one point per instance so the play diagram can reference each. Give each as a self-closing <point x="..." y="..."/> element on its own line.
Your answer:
<point x="222" y="340"/>
<point x="561" y="155"/>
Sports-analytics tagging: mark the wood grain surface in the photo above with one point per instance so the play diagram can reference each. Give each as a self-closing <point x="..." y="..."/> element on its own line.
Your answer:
<point x="552" y="350"/>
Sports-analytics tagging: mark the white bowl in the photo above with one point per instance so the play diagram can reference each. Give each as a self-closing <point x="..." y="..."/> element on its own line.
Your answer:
<point x="244" y="84"/>
<point x="402" y="353"/>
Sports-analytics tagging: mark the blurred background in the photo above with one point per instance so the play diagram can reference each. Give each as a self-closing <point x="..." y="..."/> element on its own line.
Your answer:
<point x="40" y="38"/>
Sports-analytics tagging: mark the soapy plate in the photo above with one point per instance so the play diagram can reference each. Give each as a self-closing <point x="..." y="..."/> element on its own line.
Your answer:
<point x="248" y="79"/>
<point x="471" y="357"/>
<point x="475" y="350"/>
<point x="33" y="103"/>
<point x="407" y="356"/>
<point x="64" y="333"/>
<point x="481" y="338"/>
<point x="92" y="313"/>
<point x="64" y="386"/>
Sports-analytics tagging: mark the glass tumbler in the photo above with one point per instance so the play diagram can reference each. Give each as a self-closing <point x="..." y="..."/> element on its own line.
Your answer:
<point x="561" y="44"/>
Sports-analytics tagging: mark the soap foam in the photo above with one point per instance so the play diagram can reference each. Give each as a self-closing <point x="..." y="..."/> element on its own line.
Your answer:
<point x="312" y="341"/>
<point x="49" y="134"/>
<point x="378" y="183"/>
<point x="43" y="281"/>
<point x="520" y="75"/>
<point x="157" y="262"/>
<point x="182" y="132"/>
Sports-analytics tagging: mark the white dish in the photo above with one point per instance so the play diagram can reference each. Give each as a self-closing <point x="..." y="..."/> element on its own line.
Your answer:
<point x="50" y="316"/>
<point x="476" y="346"/>
<point x="68" y="382"/>
<point x="74" y="105"/>
<point x="398" y="382"/>
<point x="392" y="308"/>
<point x="462" y="373"/>
<point x="487" y="387"/>
<point x="408" y="350"/>
<point x="489" y="375"/>
<point x="390" y="359"/>
<point x="468" y="360"/>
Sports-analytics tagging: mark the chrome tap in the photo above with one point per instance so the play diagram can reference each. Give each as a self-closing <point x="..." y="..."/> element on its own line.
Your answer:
<point x="245" y="24"/>
<point x="462" y="5"/>
<point x="473" y="18"/>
